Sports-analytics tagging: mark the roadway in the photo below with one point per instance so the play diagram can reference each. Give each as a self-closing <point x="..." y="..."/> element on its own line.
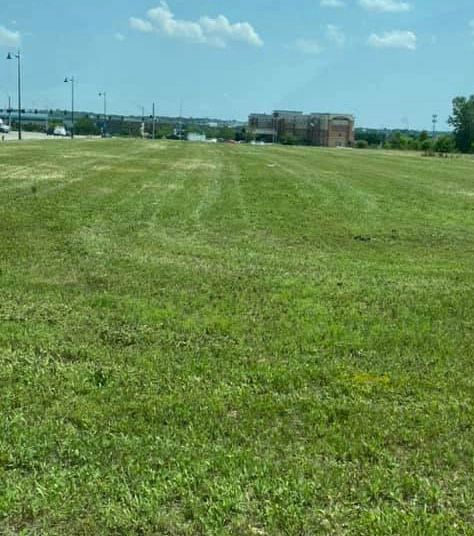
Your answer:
<point x="13" y="136"/>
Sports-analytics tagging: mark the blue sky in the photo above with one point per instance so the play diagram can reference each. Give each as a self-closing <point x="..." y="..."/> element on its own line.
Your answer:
<point x="392" y="63"/>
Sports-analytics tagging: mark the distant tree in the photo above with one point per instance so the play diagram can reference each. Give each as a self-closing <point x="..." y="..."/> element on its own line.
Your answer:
<point x="462" y="121"/>
<point x="402" y="142"/>
<point x="164" y="130"/>
<point x="427" y="147"/>
<point x="31" y="127"/>
<point x="240" y="134"/>
<point x="445" y="144"/>
<point x="405" y="141"/>
<point x="226" y="133"/>
<point x="374" y="138"/>
<point x="288" y="139"/>
<point x="86" y="127"/>
<point x="395" y="140"/>
<point x="423" y="136"/>
<point x="361" y="144"/>
<point x="411" y="143"/>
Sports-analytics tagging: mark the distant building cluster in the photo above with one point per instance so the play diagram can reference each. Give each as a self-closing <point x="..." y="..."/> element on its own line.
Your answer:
<point x="325" y="130"/>
<point x="132" y="125"/>
<point x="282" y="126"/>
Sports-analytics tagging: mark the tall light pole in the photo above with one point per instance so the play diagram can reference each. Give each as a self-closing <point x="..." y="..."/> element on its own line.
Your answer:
<point x="154" y="124"/>
<point x="72" y="81"/>
<point x="181" y="119"/>
<point x="17" y="56"/>
<point x="435" y="120"/>
<point x="103" y="94"/>
<point x="9" y="111"/>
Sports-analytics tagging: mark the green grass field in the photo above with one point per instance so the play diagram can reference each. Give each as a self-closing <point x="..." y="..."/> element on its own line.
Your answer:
<point x="213" y="340"/>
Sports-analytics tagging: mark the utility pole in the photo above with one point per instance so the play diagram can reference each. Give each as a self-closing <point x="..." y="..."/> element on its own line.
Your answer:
<point x="17" y="56"/>
<point x="154" y="127"/>
<point x="104" y="95"/>
<point x="9" y="111"/>
<point x="180" y="120"/>
<point x="435" y="120"/>
<point x="71" y="80"/>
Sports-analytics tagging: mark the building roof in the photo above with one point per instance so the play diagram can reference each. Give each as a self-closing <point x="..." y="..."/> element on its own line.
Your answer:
<point x="289" y="112"/>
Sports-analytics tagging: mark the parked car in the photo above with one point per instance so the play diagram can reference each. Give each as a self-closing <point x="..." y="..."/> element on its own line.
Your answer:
<point x="60" y="131"/>
<point x="4" y="129"/>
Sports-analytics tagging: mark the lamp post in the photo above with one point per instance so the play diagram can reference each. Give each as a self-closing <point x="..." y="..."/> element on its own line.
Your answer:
<point x="434" y="121"/>
<point x="72" y="81"/>
<point x="103" y="94"/>
<point x="17" y="56"/>
<point x="142" y="125"/>
<point x="180" y="124"/>
<point x="154" y="122"/>
<point x="9" y="111"/>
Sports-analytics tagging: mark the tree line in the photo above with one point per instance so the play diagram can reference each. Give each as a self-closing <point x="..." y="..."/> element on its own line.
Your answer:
<point x="460" y="140"/>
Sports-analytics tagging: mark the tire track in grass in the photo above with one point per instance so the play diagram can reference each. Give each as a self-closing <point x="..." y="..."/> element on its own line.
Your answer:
<point x="284" y="188"/>
<point x="223" y="207"/>
<point x="168" y="206"/>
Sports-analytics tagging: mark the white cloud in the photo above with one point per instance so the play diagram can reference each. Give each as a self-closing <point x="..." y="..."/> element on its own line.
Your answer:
<point x="119" y="37"/>
<point x="394" y="39"/>
<point x="332" y="3"/>
<point x="206" y="30"/>
<point x="164" y="21"/>
<point x="336" y="35"/>
<point x="140" y="25"/>
<point x="308" y="46"/>
<point x="220" y="28"/>
<point x="385" y="6"/>
<point x="9" y="38"/>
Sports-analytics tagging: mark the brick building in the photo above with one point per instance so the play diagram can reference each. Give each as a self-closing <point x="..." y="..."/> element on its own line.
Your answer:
<point x="326" y="130"/>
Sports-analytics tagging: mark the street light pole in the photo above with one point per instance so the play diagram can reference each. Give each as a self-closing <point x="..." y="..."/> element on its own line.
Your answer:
<point x="181" y="120"/>
<point x="434" y="120"/>
<point x="275" y="128"/>
<point x="72" y="80"/>
<point x="104" y="95"/>
<point x="17" y="56"/>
